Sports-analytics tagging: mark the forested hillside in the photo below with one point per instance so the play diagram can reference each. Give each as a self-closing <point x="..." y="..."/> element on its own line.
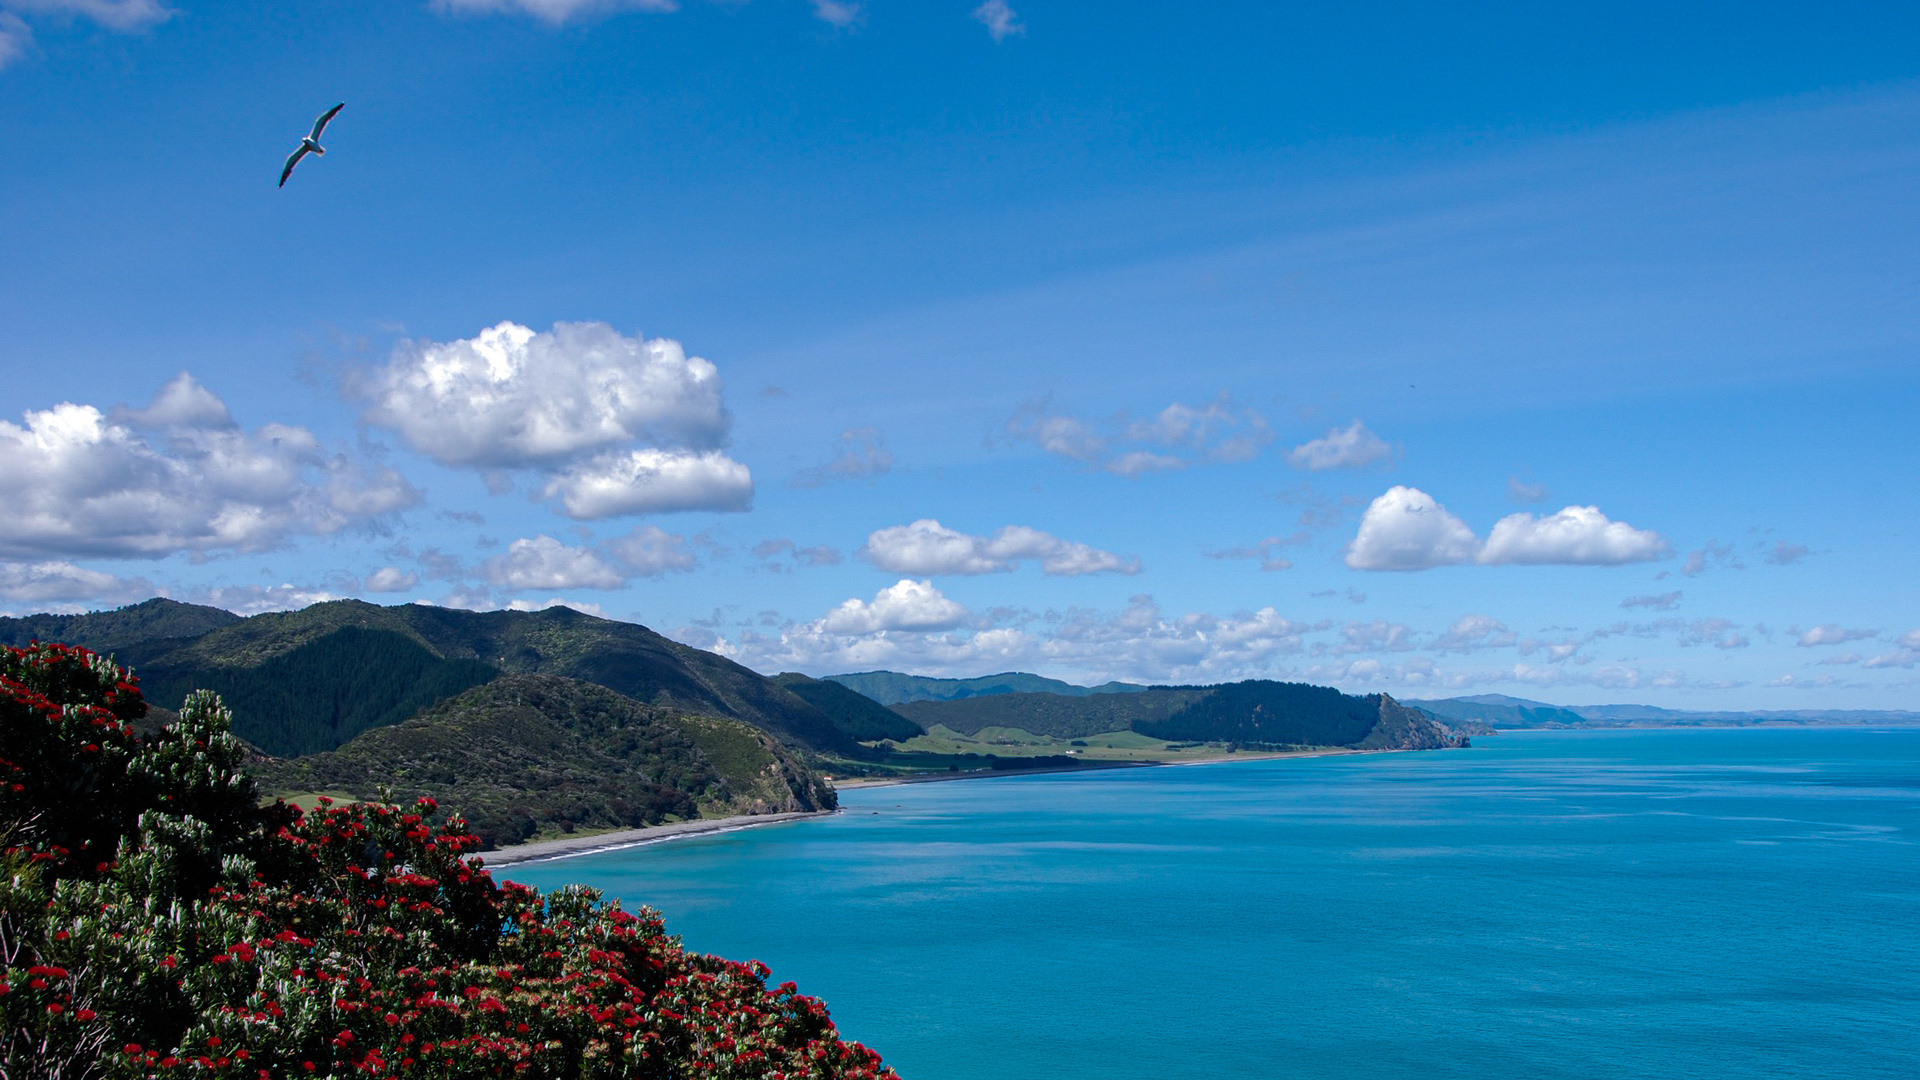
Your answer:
<point x="452" y="650"/>
<point x="893" y="687"/>
<point x="1057" y="715"/>
<point x="530" y="754"/>
<point x="104" y="631"/>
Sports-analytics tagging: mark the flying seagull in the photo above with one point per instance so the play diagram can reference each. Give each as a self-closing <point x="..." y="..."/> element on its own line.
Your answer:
<point x="310" y="144"/>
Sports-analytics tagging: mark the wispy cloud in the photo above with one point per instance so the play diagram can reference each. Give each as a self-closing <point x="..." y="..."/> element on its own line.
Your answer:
<point x="999" y="19"/>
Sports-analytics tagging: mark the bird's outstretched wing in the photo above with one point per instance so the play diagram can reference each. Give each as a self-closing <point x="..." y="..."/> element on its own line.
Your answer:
<point x="292" y="160"/>
<point x="320" y="125"/>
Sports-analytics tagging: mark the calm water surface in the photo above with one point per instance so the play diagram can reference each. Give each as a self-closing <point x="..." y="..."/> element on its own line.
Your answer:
<point x="1623" y="904"/>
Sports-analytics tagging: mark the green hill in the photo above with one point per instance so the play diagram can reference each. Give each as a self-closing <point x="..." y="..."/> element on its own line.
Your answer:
<point x="1253" y="713"/>
<point x="104" y="631"/>
<point x="530" y="754"/>
<point x="859" y="716"/>
<point x="450" y="650"/>
<point x="1056" y="715"/>
<point x="893" y="687"/>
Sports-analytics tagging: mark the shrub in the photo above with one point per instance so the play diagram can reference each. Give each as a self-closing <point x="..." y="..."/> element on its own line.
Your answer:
<point x="156" y="921"/>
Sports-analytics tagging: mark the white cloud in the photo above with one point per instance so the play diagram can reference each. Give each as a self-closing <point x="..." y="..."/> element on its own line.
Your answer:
<point x="651" y="551"/>
<point x="63" y="584"/>
<point x="927" y="547"/>
<point x="176" y="476"/>
<point x="390" y="579"/>
<point x="122" y="16"/>
<point x="1138" y="643"/>
<point x="1576" y="536"/>
<point x="580" y="606"/>
<point x="1405" y="529"/>
<point x="255" y="599"/>
<point x="1906" y="653"/>
<point x="510" y="397"/>
<point x="1831" y="634"/>
<point x="999" y="19"/>
<point x="554" y="12"/>
<point x="1377" y="636"/>
<point x="651" y="481"/>
<point x="907" y="605"/>
<point x="1470" y="632"/>
<point x="545" y="563"/>
<point x="858" y="452"/>
<point x="1350" y="447"/>
<point x="1177" y="437"/>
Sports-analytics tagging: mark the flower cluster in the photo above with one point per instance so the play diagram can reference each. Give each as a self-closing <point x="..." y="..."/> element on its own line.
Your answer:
<point x="155" y="921"/>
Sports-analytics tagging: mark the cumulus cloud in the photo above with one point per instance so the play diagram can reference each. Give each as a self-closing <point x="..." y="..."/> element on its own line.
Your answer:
<point x="1832" y="634"/>
<point x="256" y="599"/>
<point x="1177" y="437"/>
<point x="510" y="397"/>
<point x="858" y="452"/>
<point x="62" y="585"/>
<point x="620" y="425"/>
<point x="1378" y="636"/>
<point x="177" y="476"/>
<point x="652" y="481"/>
<point x="1665" y="601"/>
<point x="999" y="19"/>
<point x="1577" y="536"/>
<point x="390" y="579"/>
<point x="1350" y="447"/>
<point x="1406" y="529"/>
<point x="1139" y="643"/>
<point x="928" y="548"/>
<point x="1470" y="632"/>
<point x="906" y="605"/>
<point x="545" y="563"/>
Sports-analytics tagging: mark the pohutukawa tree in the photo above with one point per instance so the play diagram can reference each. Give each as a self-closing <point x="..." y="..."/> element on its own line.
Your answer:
<point x="157" y="921"/>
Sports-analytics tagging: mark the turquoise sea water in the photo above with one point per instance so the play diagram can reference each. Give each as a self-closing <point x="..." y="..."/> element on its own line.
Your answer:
<point x="1620" y="904"/>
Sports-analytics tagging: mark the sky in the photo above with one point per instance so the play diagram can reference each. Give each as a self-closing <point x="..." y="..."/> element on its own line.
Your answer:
<point x="1561" y="351"/>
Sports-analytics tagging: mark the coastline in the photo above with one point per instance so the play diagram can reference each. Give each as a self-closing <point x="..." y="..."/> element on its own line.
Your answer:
<point x="567" y="847"/>
<point x="571" y="846"/>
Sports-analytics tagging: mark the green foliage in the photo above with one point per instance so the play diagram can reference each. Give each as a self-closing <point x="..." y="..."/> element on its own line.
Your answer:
<point x="1274" y="713"/>
<point x="532" y="754"/>
<point x="894" y="688"/>
<point x="325" y="691"/>
<point x="623" y="657"/>
<point x="157" y="619"/>
<point x="1056" y="715"/>
<point x="859" y="716"/>
<point x="224" y="939"/>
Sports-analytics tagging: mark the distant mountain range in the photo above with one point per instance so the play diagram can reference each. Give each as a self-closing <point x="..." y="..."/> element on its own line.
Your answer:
<point x="1493" y="710"/>
<point x="1501" y="711"/>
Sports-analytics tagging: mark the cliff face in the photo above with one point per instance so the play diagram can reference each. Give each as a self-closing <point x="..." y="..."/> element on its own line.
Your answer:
<point x="1403" y="728"/>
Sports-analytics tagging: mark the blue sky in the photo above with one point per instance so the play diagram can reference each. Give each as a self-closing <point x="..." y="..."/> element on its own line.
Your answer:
<point x="1563" y="352"/>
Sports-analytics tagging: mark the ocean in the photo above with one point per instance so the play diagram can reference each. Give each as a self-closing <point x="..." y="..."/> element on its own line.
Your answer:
<point x="1702" y="904"/>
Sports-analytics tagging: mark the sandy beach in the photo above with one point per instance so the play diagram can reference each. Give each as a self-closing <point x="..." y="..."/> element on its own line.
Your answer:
<point x="569" y="846"/>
